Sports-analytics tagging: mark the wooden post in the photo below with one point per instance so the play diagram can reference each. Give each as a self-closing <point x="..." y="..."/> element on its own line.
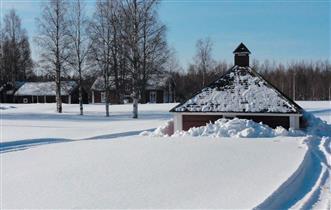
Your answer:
<point x="178" y="122"/>
<point x="294" y="122"/>
<point x="92" y="96"/>
<point x="45" y="99"/>
<point x="69" y="99"/>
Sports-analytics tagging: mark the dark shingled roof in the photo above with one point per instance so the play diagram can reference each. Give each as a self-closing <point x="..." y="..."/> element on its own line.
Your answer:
<point x="241" y="49"/>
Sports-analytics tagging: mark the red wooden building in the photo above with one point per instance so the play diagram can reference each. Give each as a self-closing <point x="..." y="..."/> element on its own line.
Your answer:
<point x="243" y="93"/>
<point x="159" y="89"/>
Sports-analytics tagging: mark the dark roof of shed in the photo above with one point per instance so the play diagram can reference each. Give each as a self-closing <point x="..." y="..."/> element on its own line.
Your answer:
<point x="241" y="49"/>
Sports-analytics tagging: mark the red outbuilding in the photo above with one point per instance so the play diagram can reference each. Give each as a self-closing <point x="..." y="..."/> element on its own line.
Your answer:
<point x="243" y="93"/>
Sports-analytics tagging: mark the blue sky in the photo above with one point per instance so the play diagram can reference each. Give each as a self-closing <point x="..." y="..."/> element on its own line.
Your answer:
<point x="275" y="30"/>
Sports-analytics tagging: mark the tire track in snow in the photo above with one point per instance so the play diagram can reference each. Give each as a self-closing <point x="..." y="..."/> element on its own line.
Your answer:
<point x="304" y="187"/>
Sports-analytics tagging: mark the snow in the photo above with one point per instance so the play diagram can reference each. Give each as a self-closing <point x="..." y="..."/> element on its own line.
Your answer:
<point x="239" y="90"/>
<point x="45" y="88"/>
<point x="237" y="128"/>
<point x="243" y="128"/>
<point x="51" y="160"/>
<point x="40" y="121"/>
<point x="99" y="84"/>
<point x="320" y="109"/>
<point x="140" y="172"/>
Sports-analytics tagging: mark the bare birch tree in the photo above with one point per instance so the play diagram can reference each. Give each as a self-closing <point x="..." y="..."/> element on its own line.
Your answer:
<point x="203" y="58"/>
<point x="54" y="41"/>
<point x="103" y="32"/>
<point x="78" y="23"/>
<point x="144" y="37"/>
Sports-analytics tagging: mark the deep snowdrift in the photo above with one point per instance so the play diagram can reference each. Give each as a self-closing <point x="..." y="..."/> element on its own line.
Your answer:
<point x="238" y="128"/>
<point x="243" y="128"/>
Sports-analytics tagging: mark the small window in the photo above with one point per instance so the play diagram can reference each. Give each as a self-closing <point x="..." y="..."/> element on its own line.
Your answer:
<point x="152" y="97"/>
<point x="103" y="97"/>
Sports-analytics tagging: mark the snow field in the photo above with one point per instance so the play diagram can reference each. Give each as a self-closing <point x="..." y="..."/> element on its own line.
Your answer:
<point x="40" y="121"/>
<point x="144" y="172"/>
<point x="101" y="162"/>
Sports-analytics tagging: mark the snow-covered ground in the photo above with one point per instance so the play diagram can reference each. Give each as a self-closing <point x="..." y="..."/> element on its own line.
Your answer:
<point x="37" y="121"/>
<point x="51" y="160"/>
<point x="321" y="109"/>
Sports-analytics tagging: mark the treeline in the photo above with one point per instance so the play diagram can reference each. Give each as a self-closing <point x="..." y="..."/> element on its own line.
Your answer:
<point x="15" y="54"/>
<point x="299" y="80"/>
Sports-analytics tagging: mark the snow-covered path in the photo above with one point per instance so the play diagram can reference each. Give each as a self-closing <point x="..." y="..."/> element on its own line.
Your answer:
<point x="100" y="162"/>
<point x="309" y="186"/>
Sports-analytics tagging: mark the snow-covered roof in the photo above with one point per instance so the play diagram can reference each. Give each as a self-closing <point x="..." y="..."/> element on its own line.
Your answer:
<point x="99" y="84"/>
<point x="240" y="89"/>
<point x="45" y="88"/>
<point x="157" y="82"/>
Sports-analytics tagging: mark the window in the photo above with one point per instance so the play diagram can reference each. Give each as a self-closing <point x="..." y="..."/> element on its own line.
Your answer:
<point x="103" y="97"/>
<point x="152" y="97"/>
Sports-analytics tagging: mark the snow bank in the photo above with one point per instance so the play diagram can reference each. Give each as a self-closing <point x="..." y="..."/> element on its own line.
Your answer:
<point x="239" y="128"/>
<point x="243" y="128"/>
<point x="162" y="131"/>
<point x="316" y="126"/>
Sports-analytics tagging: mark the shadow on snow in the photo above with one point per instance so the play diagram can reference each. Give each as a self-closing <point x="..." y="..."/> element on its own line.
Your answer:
<point x="28" y="143"/>
<point x="88" y="117"/>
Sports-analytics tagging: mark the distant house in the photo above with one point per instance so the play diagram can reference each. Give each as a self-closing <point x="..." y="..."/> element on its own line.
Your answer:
<point x="158" y="90"/>
<point x="8" y="90"/>
<point x="98" y="92"/>
<point x="44" y="92"/>
<point x="241" y="92"/>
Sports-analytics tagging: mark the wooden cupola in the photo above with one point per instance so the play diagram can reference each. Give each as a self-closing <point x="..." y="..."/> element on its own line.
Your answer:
<point x="241" y="55"/>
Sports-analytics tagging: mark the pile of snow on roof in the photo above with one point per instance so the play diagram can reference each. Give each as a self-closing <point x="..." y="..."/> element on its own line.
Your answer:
<point x="239" y="90"/>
